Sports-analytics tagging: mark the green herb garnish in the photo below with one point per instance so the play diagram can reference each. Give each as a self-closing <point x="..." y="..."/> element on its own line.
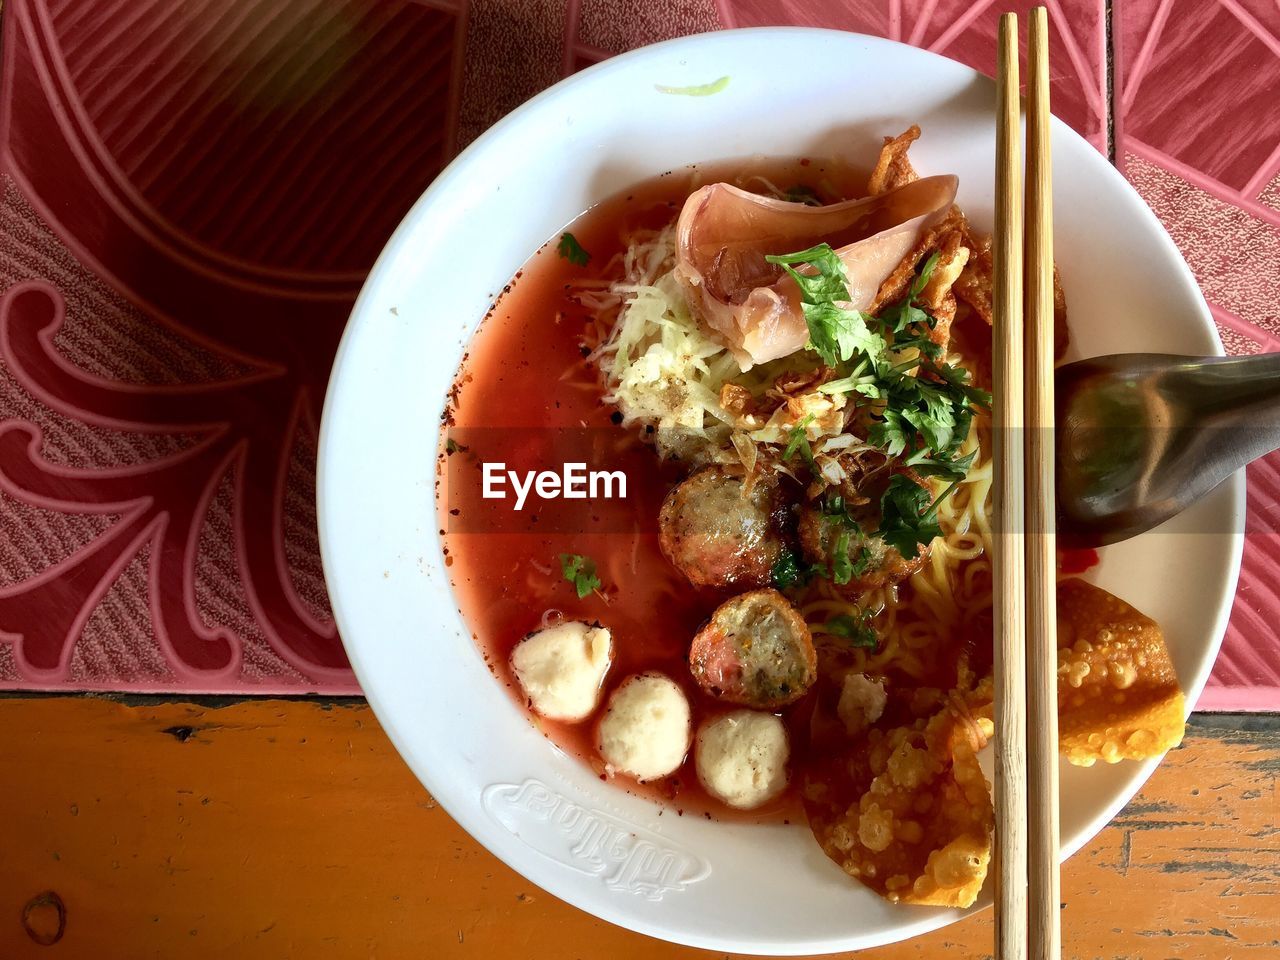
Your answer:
<point x="904" y="314"/>
<point x="846" y="562"/>
<point x="922" y="407"/>
<point x="569" y="249"/>
<point x="859" y="380"/>
<point x="841" y="564"/>
<point x="857" y="630"/>
<point x="790" y="571"/>
<point x="581" y="572"/>
<point x="799" y="441"/>
<point x="908" y="520"/>
<point x="786" y="572"/>
<point x="802" y="194"/>
<point x="835" y="508"/>
<point x="836" y="332"/>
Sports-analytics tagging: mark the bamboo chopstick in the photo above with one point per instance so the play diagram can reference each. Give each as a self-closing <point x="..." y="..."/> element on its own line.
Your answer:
<point x="1042" y="652"/>
<point x="1009" y="558"/>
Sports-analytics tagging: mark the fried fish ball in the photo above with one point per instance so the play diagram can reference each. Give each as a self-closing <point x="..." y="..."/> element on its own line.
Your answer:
<point x="756" y="650"/>
<point x="906" y="811"/>
<point x="720" y="532"/>
<point x="1118" y="695"/>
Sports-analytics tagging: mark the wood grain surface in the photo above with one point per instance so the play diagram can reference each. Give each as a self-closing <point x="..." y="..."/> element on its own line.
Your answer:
<point x="1008" y="554"/>
<point x="279" y="829"/>
<point x="1044" y="890"/>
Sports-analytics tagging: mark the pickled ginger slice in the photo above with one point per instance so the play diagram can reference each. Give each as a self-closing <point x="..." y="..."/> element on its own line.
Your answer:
<point x="724" y="235"/>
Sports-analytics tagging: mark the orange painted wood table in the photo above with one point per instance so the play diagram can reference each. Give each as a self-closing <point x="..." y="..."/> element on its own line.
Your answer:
<point x="283" y="828"/>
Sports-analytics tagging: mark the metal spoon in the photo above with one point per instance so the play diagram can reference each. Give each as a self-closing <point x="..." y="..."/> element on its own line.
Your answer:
<point x="1142" y="436"/>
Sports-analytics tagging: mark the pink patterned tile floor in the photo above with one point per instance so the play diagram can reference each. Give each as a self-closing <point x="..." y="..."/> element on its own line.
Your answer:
<point x="1198" y="134"/>
<point x="192" y="194"/>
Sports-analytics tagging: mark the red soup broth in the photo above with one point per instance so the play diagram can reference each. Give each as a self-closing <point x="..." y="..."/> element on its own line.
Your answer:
<point x="525" y="395"/>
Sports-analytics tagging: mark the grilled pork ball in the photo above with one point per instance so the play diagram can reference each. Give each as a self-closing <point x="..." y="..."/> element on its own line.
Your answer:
<point x="720" y="536"/>
<point x="868" y="477"/>
<point x="755" y="651"/>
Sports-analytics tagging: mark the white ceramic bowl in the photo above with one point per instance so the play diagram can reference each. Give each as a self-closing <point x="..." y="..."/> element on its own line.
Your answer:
<point x="791" y="92"/>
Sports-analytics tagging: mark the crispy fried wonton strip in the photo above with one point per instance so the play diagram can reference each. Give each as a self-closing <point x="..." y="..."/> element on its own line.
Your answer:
<point x="1118" y="696"/>
<point x="895" y="286"/>
<point x="893" y="169"/>
<point x="947" y="240"/>
<point x="952" y="256"/>
<point x="973" y="286"/>
<point x="937" y="295"/>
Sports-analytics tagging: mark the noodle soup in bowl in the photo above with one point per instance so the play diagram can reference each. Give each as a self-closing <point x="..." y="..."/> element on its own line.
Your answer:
<point x="757" y="676"/>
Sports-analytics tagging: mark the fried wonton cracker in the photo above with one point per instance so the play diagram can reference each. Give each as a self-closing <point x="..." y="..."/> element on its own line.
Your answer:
<point x="1118" y="696"/>
<point x="952" y="257"/>
<point x="972" y="285"/>
<point x="898" y="282"/>
<point x="946" y="238"/>
<point x="907" y="811"/>
<point x="947" y="241"/>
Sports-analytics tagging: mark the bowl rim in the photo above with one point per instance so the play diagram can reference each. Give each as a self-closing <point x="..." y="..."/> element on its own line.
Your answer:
<point x="464" y="811"/>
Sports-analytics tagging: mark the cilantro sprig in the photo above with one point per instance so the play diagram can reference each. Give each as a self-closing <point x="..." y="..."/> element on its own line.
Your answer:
<point x="835" y="508"/>
<point x="908" y="517"/>
<point x="845" y="565"/>
<point x="850" y="556"/>
<point x="570" y="249"/>
<point x="922" y="407"/>
<point x="788" y="572"/>
<point x="857" y="630"/>
<point x="836" y="332"/>
<point x="581" y="572"/>
<point x="799" y="442"/>
<point x="906" y="313"/>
